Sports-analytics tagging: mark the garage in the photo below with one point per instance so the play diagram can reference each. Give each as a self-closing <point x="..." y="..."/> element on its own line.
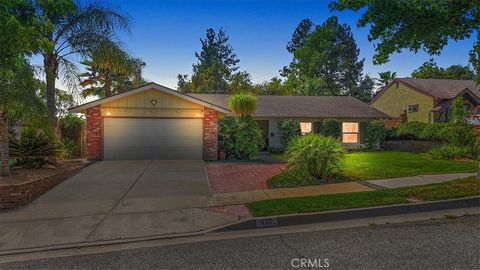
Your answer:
<point x="151" y="122"/>
<point x="155" y="138"/>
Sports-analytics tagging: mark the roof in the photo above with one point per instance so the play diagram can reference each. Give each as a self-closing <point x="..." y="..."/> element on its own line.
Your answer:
<point x="144" y="88"/>
<point x="438" y="88"/>
<point x="304" y="106"/>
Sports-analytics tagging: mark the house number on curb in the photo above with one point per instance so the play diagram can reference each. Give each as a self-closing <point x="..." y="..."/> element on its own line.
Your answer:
<point x="266" y="222"/>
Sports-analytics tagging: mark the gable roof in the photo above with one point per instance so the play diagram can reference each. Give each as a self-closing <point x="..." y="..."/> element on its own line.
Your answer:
<point x="304" y="106"/>
<point x="149" y="86"/>
<point x="437" y="88"/>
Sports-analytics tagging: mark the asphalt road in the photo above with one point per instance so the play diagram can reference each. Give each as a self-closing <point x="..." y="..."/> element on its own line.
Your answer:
<point x="433" y="244"/>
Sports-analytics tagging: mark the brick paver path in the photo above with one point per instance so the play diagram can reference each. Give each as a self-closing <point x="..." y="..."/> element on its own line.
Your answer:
<point x="232" y="177"/>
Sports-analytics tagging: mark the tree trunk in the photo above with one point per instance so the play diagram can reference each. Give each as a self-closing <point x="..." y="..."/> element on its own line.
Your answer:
<point x="107" y="88"/>
<point x="51" y="65"/>
<point x="4" y="147"/>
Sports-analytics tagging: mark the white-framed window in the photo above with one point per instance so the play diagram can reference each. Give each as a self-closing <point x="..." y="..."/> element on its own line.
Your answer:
<point x="350" y="132"/>
<point x="413" y="108"/>
<point x="305" y="127"/>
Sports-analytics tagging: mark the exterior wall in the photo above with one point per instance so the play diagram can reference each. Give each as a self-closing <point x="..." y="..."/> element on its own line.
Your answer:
<point x="94" y="133"/>
<point x="210" y="134"/>
<point x="140" y="105"/>
<point x="274" y="133"/>
<point x="395" y="100"/>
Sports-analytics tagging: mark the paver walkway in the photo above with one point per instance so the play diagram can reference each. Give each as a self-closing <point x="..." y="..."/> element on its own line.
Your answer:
<point x="347" y="187"/>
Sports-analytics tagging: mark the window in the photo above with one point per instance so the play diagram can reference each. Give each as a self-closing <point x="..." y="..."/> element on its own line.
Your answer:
<point x="349" y="132"/>
<point x="305" y="127"/>
<point x="413" y="108"/>
<point x="466" y="107"/>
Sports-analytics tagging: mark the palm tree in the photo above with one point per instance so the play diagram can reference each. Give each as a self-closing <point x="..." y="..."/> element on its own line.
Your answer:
<point x="17" y="97"/>
<point x="110" y="70"/>
<point x="385" y="78"/>
<point x="76" y="30"/>
<point x="243" y="104"/>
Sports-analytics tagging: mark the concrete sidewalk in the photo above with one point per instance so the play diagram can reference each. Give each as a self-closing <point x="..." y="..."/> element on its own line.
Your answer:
<point x="267" y="194"/>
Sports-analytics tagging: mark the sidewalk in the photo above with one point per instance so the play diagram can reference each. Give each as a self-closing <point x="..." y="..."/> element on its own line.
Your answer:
<point x="267" y="194"/>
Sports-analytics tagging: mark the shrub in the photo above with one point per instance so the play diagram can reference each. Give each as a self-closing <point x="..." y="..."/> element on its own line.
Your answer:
<point x="288" y="129"/>
<point x="330" y="128"/>
<point x="32" y="148"/>
<point x="450" y="151"/>
<point x="433" y="132"/>
<point x="373" y="133"/>
<point x="275" y="150"/>
<point x="240" y="138"/>
<point x="410" y="130"/>
<point x="68" y="149"/>
<point x="71" y="126"/>
<point x="243" y="104"/>
<point x="318" y="155"/>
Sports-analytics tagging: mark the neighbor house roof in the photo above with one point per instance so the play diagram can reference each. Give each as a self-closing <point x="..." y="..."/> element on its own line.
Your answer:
<point x="304" y="106"/>
<point x="437" y="88"/>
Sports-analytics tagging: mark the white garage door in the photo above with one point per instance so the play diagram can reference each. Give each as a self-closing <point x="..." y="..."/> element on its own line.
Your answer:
<point x="143" y="138"/>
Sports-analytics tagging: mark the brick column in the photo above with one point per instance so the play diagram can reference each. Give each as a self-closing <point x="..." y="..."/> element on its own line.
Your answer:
<point x="94" y="133"/>
<point x="210" y="134"/>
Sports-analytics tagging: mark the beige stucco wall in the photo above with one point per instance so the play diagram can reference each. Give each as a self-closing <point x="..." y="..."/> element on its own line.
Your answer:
<point x="140" y="105"/>
<point x="395" y="100"/>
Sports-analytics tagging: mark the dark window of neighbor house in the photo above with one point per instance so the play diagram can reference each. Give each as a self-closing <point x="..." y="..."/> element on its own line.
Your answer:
<point x="467" y="107"/>
<point x="413" y="108"/>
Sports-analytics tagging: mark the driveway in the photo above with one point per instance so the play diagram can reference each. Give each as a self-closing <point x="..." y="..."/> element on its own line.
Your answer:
<point x="116" y="200"/>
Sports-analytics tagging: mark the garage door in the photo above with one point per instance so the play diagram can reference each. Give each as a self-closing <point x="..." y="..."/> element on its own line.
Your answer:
<point x="135" y="138"/>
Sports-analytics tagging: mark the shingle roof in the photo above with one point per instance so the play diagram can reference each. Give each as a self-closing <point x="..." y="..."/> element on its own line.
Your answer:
<point x="442" y="88"/>
<point x="304" y="106"/>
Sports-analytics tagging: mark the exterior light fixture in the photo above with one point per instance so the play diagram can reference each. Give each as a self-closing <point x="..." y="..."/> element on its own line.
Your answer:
<point x="108" y="113"/>
<point x="153" y="101"/>
<point x="198" y="115"/>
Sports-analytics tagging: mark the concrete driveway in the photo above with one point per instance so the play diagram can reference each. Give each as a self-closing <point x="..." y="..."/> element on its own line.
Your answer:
<point x="112" y="200"/>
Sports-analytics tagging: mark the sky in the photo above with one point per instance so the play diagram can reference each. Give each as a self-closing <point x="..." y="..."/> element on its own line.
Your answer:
<point x="166" y="34"/>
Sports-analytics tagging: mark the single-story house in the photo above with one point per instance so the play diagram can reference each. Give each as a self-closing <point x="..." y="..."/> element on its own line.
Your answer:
<point x="425" y="100"/>
<point x="155" y="122"/>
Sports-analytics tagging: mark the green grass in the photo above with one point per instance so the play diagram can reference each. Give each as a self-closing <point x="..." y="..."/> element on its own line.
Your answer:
<point x="446" y="190"/>
<point x="389" y="164"/>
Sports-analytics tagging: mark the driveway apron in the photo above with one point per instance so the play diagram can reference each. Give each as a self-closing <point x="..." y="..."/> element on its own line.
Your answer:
<point x="112" y="200"/>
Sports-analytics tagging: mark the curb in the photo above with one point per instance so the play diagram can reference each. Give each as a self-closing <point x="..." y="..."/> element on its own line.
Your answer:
<point x="338" y="215"/>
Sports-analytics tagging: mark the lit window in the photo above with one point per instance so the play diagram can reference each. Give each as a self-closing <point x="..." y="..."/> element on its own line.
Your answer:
<point x="305" y="127"/>
<point x="413" y="108"/>
<point x="349" y="132"/>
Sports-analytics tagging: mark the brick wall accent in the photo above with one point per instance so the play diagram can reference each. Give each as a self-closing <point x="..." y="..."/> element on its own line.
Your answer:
<point x="94" y="133"/>
<point x="392" y="122"/>
<point x="210" y="134"/>
<point x="21" y="194"/>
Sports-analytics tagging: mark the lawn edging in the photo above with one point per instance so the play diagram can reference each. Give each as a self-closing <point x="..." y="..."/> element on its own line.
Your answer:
<point x="357" y="213"/>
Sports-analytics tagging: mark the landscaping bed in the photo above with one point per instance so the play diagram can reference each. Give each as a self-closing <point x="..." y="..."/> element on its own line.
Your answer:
<point x="439" y="191"/>
<point x="379" y="165"/>
<point x="25" y="185"/>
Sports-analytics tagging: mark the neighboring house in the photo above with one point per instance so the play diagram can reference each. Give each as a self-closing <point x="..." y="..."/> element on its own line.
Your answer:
<point x="425" y="100"/>
<point x="155" y="122"/>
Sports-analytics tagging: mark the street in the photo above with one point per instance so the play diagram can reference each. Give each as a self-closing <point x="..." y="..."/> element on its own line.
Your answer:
<point x="432" y="244"/>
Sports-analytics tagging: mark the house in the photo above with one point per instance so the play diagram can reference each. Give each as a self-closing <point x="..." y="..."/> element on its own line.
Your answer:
<point x="425" y="100"/>
<point x="155" y="122"/>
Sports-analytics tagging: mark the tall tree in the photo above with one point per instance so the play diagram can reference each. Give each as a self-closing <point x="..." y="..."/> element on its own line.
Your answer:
<point x="328" y="53"/>
<point x="416" y="25"/>
<point x="430" y="70"/>
<point x="75" y="30"/>
<point x="216" y="64"/>
<point x="19" y="28"/>
<point x="384" y="78"/>
<point x="110" y="70"/>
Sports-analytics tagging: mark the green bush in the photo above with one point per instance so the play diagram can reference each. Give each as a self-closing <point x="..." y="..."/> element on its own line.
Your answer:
<point x="450" y="151"/>
<point x="410" y="130"/>
<point x="422" y="131"/>
<point x="288" y="130"/>
<point x="319" y="156"/>
<point x="71" y="126"/>
<point x="240" y="138"/>
<point x="68" y="149"/>
<point x="32" y="148"/>
<point x="373" y="133"/>
<point x="243" y="104"/>
<point x="330" y="128"/>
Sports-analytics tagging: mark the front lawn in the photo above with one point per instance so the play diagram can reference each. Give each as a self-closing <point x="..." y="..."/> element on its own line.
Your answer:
<point x="389" y="164"/>
<point x="446" y="190"/>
